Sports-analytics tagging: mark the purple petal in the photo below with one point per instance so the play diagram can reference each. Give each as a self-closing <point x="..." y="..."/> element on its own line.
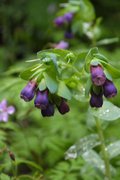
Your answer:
<point x="10" y="110"/>
<point x="5" y="117"/>
<point x="62" y="45"/>
<point x="3" y="105"/>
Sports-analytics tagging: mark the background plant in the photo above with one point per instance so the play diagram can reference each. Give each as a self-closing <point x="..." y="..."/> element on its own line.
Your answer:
<point x="38" y="142"/>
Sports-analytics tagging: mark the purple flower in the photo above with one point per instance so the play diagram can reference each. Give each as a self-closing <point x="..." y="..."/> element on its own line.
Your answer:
<point x="63" y="107"/>
<point x="59" y="21"/>
<point x="109" y="89"/>
<point x="41" y="100"/>
<point x="69" y="35"/>
<point x="68" y="16"/>
<point x="97" y="75"/>
<point x="96" y="100"/>
<point x="5" y="111"/>
<point x="62" y="45"/>
<point x="29" y="91"/>
<point x="49" y="111"/>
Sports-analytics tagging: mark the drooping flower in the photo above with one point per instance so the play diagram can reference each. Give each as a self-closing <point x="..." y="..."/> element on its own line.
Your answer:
<point x="41" y="100"/>
<point x="68" y="16"/>
<point x="63" y="107"/>
<point x="97" y="75"/>
<point x="49" y="111"/>
<point x="59" y="21"/>
<point x="29" y="91"/>
<point x="5" y="110"/>
<point x="96" y="100"/>
<point x="109" y="89"/>
<point x="62" y="45"/>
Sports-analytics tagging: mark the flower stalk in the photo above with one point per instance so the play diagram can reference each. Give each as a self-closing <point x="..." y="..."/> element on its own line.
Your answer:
<point x="104" y="150"/>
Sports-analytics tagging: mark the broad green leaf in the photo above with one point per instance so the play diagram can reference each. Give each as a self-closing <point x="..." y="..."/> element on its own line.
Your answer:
<point x="89" y="57"/>
<point x="95" y="160"/>
<point x="115" y="73"/>
<point x="85" y="7"/>
<point x="64" y="91"/>
<point x="80" y="58"/>
<point x="51" y="53"/>
<point x="51" y="82"/>
<point x="108" y="112"/>
<point x="113" y="149"/>
<point x="82" y="146"/>
<point x="4" y="177"/>
<point x="42" y="85"/>
<point x="91" y="157"/>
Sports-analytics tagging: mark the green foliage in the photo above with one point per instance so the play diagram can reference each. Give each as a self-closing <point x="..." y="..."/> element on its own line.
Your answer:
<point x="39" y="144"/>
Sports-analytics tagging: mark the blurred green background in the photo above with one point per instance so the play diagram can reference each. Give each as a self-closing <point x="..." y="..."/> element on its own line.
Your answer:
<point x="39" y="144"/>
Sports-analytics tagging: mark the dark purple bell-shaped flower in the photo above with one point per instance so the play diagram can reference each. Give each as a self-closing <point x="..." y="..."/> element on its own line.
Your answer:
<point x="49" y="111"/>
<point x="97" y="75"/>
<point x="41" y="100"/>
<point x="68" y="16"/>
<point x="109" y="89"/>
<point x="96" y="100"/>
<point x="63" y="107"/>
<point x="29" y="91"/>
<point x="59" y="21"/>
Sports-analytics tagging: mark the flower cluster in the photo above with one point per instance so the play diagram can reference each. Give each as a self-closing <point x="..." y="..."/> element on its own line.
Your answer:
<point x="65" y="19"/>
<point x="5" y="111"/>
<point x="44" y="100"/>
<point x="101" y="86"/>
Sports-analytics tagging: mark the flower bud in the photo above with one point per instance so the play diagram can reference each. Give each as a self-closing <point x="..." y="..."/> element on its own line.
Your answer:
<point x="97" y="75"/>
<point x="68" y="16"/>
<point x="109" y="89"/>
<point x="96" y="100"/>
<point x="63" y="107"/>
<point x="11" y="155"/>
<point x="49" y="111"/>
<point x="59" y="21"/>
<point x="41" y="100"/>
<point x="29" y="91"/>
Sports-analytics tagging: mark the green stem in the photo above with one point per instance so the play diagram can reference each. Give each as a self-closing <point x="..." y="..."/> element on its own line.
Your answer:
<point x="104" y="150"/>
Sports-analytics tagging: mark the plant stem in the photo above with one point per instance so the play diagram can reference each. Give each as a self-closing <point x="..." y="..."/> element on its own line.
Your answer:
<point x="104" y="150"/>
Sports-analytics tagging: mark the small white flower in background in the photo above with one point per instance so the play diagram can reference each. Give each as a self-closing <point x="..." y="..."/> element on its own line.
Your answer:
<point x="5" y="111"/>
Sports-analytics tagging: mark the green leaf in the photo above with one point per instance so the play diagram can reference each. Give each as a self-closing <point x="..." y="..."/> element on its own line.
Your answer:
<point x="4" y="177"/>
<point x="88" y="86"/>
<point x="108" y="41"/>
<point x="64" y="91"/>
<point x="82" y="146"/>
<point x="113" y="149"/>
<point x="52" y="53"/>
<point x="51" y="82"/>
<point x="29" y="72"/>
<point x="115" y="73"/>
<point x="91" y="157"/>
<point x="108" y="112"/>
<point x="89" y="57"/>
<point x="100" y="56"/>
<point x="29" y="163"/>
<point x="42" y="85"/>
